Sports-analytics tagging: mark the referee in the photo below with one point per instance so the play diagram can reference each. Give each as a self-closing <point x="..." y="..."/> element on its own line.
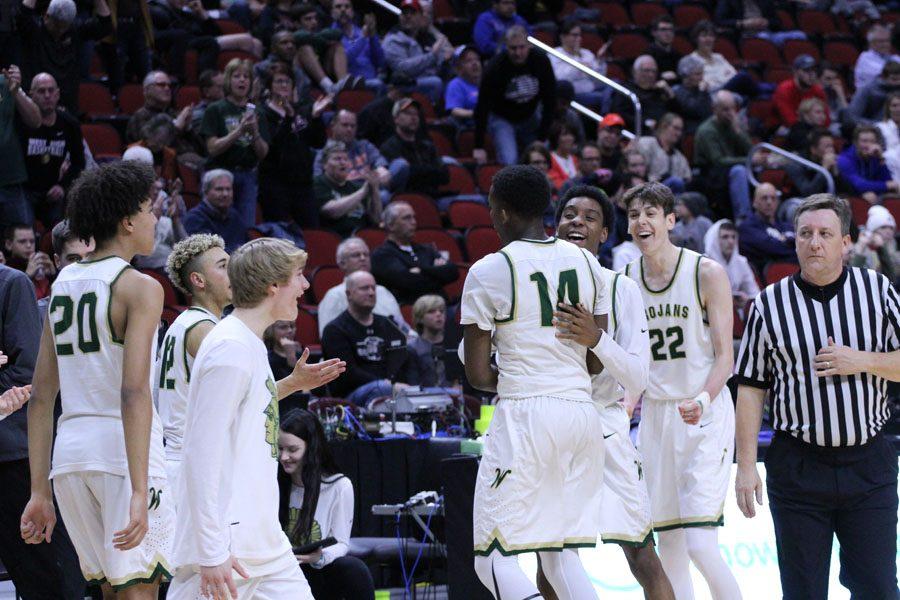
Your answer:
<point x="825" y="342"/>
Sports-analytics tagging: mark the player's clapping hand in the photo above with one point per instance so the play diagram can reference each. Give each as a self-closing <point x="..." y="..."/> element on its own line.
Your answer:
<point x="14" y="398"/>
<point x="38" y="520"/>
<point x="837" y="360"/>
<point x="134" y="532"/>
<point x="576" y="323"/>
<point x="216" y="582"/>
<point x="310" y="376"/>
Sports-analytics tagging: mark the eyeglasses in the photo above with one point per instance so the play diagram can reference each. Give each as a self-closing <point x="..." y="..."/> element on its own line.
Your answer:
<point x="162" y="84"/>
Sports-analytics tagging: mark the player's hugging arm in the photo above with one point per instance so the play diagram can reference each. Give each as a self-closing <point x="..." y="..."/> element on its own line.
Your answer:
<point x="480" y="372"/>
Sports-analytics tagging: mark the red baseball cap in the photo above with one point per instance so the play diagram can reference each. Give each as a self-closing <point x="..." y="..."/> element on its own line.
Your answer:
<point x="612" y="120"/>
<point x="413" y="4"/>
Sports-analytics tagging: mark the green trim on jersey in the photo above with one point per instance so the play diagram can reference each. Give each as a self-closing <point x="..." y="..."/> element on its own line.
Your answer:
<point x="593" y="279"/>
<point x="718" y="521"/>
<point x="512" y="275"/>
<point x="703" y="314"/>
<point x="161" y="571"/>
<point x="497" y="544"/>
<point x="671" y="281"/>
<point x="112" y="330"/>
<point x="549" y="240"/>
<point x="92" y="261"/>
<point x="615" y="318"/>
<point x="625" y="540"/>
<point x="627" y="269"/>
<point x="184" y="352"/>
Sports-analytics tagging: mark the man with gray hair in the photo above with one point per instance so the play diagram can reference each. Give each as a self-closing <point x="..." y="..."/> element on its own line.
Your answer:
<point x="870" y="63"/>
<point x="656" y="97"/>
<point x="691" y="96"/>
<point x="157" y="100"/>
<point x="216" y="213"/>
<point x="353" y="255"/>
<point x="53" y="42"/>
<point x="345" y="205"/>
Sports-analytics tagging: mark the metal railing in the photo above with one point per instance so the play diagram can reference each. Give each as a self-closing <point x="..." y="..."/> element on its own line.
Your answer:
<point x="638" y="113"/>
<point x="790" y="156"/>
<point x="388" y="6"/>
<point x="596" y="116"/>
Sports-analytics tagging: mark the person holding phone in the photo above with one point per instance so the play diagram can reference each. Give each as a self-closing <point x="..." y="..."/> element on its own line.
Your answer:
<point x="317" y="504"/>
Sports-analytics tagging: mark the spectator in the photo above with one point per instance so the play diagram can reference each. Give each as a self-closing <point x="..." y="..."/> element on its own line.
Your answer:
<point x="427" y="350"/>
<point x="632" y="171"/>
<point x="563" y="111"/>
<point x="720" y="151"/>
<point x="169" y="210"/>
<point x="718" y="72"/>
<point x="365" y="56"/>
<point x="284" y="50"/>
<point x="812" y="114"/>
<point x="54" y="42"/>
<point x="516" y="100"/>
<point x="364" y="155"/>
<point x="67" y="249"/>
<point x="833" y="83"/>
<point x="803" y="85"/>
<point x="375" y="121"/>
<point x="662" y="29"/>
<point x="158" y="101"/>
<point x="589" y="171"/>
<point x="763" y="238"/>
<point x="806" y="182"/>
<point x="876" y="247"/>
<point x="408" y="269"/>
<point x="211" y="85"/>
<point x="692" y="100"/>
<point x="14" y="205"/>
<point x="588" y="90"/>
<point x="867" y="105"/>
<point x="20" y="251"/>
<point x="563" y="162"/>
<point x="53" y="151"/>
<point x="236" y="138"/>
<point x="215" y="213"/>
<point x="427" y="172"/>
<point x="373" y="347"/>
<point x="157" y="135"/>
<point x="538" y="156"/>
<point x="721" y="245"/>
<point x="491" y="27"/>
<point x="754" y="18"/>
<point x="890" y="127"/>
<point x="870" y="64"/>
<point x="345" y="205"/>
<point x="413" y="52"/>
<point x="655" y="95"/>
<point x="461" y="95"/>
<point x="284" y="350"/>
<point x="285" y="174"/>
<point x="692" y="223"/>
<point x="665" y="162"/>
<point x="274" y="16"/>
<point x="609" y="140"/>
<point x="353" y="255"/>
<point x="862" y="165"/>
<point x="129" y="46"/>
<point x="321" y="53"/>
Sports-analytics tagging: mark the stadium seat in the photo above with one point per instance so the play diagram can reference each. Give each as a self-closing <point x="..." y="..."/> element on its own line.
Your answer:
<point x="308" y="330"/>
<point x="94" y="100"/>
<point x="816" y="22"/>
<point x="737" y="327"/>
<point x="469" y="214"/>
<point x="423" y="206"/>
<point x="481" y="241"/>
<point x="227" y="56"/>
<point x="321" y="246"/>
<point x="778" y="74"/>
<point x="428" y="108"/>
<point x="842" y="54"/>
<point x="103" y="140"/>
<point x="130" y="98"/>
<point x="591" y="41"/>
<point x="441" y="240"/>
<point x="371" y="236"/>
<point x="228" y="27"/>
<point x="407" y="312"/>
<point x="727" y="49"/>
<point x="442" y="143"/>
<point x="860" y="210"/>
<point x="776" y="177"/>
<point x="893" y="206"/>
<point x="454" y="289"/>
<point x="776" y="271"/>
<point x="97" y="69"/>
<point x="760" y="51"/>
<point x="612" y="14"/>
<point x="323" y="279"/>
<point x="687" y="15"/>
<point x="461" y="181"/>
<point x="794" y="48"/>
<point x="628" y="45"/>
<point x="354" y="100"/>
<point x="616" y="72"/>
<point x="548" y="37"/>
<point x="186" y="95"/>
<point x="643" y="13"/>
<point x="190" y="179"/>
<point x="787" y="21"/>
<point x="485" y="176"/>
<point x="190" y="67"/>
<point x="170" y="313"/>
<point x="170" y="294"/>
<point x="687" y="146"/>
<point x="465" y="143"/>
<point x="682" y="45"/>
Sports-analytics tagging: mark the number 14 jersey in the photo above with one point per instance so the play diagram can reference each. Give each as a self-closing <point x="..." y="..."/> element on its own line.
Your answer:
<point x="680" y="343"/>
<point x="515" y="291"/>
<point x="90" y="358"/>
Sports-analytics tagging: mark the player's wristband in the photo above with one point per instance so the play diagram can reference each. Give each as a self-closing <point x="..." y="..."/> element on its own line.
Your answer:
<point x="703" y="400"/>
<point x="596" y="347"/>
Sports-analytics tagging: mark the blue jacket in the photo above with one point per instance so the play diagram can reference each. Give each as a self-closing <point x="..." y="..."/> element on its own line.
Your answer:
<point x="863" y="174"/>
<point x="759" y="244"/>
<point x="489" y="30"/>
<point x="365" y="57"/>
<point x="203" y="218"/>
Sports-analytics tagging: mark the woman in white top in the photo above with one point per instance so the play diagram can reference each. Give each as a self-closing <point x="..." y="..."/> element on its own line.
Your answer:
<point x="665" y="162"/>
<point x="718" y="73"/>
<point x="317" y="503"/>
<point x="889" y="127"/>
<point x="586" y="87"/>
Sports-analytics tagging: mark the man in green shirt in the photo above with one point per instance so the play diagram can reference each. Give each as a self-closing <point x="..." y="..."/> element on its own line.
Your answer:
<point x="14" y="207"/>
<point x="345" y="205"/>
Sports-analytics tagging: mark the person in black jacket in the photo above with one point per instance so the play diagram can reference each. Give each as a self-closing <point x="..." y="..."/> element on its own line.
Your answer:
<point x="426" y="169"/>
<point x="516" y="99"/>
<point x="285" y="174"/>
<point x="758" y="18"/>
<point x="373" y="346"/>
<point x="407" y="269"/>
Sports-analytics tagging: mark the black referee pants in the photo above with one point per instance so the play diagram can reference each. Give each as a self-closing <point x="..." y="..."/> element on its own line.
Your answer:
<point x="816" y="493"/>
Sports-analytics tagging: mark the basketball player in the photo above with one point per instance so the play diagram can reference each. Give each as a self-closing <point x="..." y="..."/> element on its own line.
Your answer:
<point x="198" y="266"/>
<point x="539" y="481"/>
<point x="228" y="496"/>
<point x="686" y="434"/>
<point x="583" y="218"/>
<point x="97" y="350"/>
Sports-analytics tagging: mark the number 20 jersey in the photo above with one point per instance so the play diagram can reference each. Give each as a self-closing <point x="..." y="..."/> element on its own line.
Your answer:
<point x="681" y="350"/>
<point x="515" y="291"/>
<point x="89" y="435"/>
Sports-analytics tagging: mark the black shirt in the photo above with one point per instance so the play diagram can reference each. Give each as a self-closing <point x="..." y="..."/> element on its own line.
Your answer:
<point x="426" y="169"/>
<point x="391" y="266"/>
<point x="46" y="148"/>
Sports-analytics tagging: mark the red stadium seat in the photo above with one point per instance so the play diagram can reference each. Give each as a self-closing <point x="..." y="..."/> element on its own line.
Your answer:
<point x="794" y="48"/>
<point x="643" y="13"/>
<point x="612" y="14"/>
<point x="170" y="313"/>
<point x="323" y="279"/>
<point x="407" y="311"/>
<point x="442" y="143"/>
<point x="354" y="100"/>
<point x="103" y="140"/>
<point x="737" y="327"/>
<point x="787" y="21"/>
<point x="760" y="51"/>
<point x="726" y="48"/>
<point x="228" y="27"/>
<point x="428" y="109"/>
<point x="776" y="177"/>
<point x="423" y="206"/>
<point x="170" y="294"/>
<point x="308" y="330"/>
<point x="461" y="181"/>
<point x="682" y="45"/>
<point x="687" y="146"/>
<point x="548" y="37"/>
<point x="628" y="45"/>
<point x="485" y="176"/>
<point x="94" y="100"/>
<point x="816" y="22"/>
<point x="687" y="15"/>
<point x="130" y="98"/>
<point x="860" y="210"/>
<point x="190" y="67"/>
<point x="465" y="143"/>
<point x="469" y="214"/>
<point x="778" y="74"/>
<point x="776" y="271"/>
<point x="454" y="289"/>
<point x="893" y="206"/>
<point x="840" y="53"/>
<point x="186" y="95"/>
<point x="371" y="236"/>
<point x="591" y="41"/>
<point x="321" y="247"/>
<point x="441" y="240"/>
<point x="481" y="241"/>
<point x="189" y="179"/>
<point x="227" y="56"/>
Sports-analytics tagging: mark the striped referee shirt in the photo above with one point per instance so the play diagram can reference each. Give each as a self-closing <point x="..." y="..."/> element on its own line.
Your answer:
<point x="789" y="322"/>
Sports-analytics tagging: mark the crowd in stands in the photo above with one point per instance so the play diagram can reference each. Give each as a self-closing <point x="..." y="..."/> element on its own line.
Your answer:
<point x="370" y="139"/>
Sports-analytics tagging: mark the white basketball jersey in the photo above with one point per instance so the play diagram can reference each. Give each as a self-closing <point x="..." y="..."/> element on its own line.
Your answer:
<point x="681" y="350"/>
<point x="89" y="435"/>
<point x="173" y="377"/>
<point x="516" y="290"/>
